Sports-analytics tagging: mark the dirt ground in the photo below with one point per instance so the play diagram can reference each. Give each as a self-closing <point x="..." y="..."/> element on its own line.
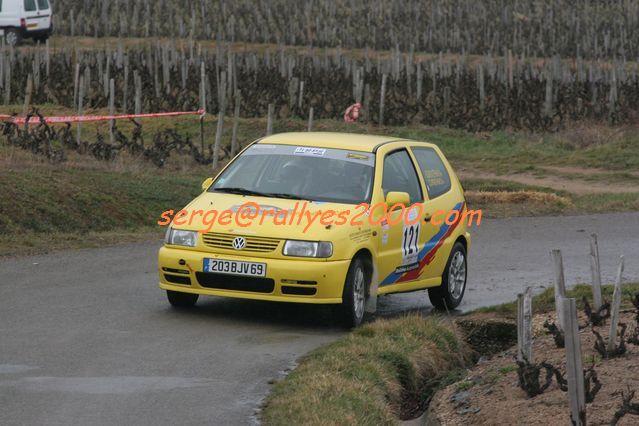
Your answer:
<point x="571" y="180"/>
<point x="490" y="394"/>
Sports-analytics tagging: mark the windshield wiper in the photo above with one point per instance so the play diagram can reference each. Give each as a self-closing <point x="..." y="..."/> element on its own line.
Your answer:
<point x="240" y="191"/>
<point x="244" y="191"/>
<point x="283" y="195"/>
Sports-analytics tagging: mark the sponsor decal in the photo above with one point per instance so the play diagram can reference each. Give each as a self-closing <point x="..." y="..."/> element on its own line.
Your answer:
<point x="313" y="152"/>
<point x="427" y="253"/>
<point x="406" y="268"/>
<point x="360" y="236"/>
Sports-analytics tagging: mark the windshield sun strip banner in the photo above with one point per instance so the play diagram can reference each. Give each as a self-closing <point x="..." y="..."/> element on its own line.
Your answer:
<point x="364" y="158"/>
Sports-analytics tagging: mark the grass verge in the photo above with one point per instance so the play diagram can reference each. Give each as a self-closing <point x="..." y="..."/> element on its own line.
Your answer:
<point x="371" y="376"/>
<point x="47" y="208"/>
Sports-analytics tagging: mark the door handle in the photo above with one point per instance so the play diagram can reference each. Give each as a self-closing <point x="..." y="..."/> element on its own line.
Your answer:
<point x="427" y="217"/>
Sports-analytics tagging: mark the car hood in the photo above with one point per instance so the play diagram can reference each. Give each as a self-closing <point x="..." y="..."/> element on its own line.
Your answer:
<point x="269" y="217"/>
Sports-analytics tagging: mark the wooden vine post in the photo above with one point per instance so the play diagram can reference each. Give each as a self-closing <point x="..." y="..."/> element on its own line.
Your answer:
<point x="574" y="366"/>
<point x="560" y="285"/>
<point x="310" y="119"/>
<point x="269" y="120"/>
<point x="616" y="304"/>
<point x="524" y="326"/>
<point x="595" y="272"/>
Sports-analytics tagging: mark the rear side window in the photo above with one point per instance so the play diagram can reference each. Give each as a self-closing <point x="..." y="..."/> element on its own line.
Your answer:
<point x="400" y="176"/>
<point x="434" y="171"/>
<point x="43" y="4"/>
<point x="29" y="5"/>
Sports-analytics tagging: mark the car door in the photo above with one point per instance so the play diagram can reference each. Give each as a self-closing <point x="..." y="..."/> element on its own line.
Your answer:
<point x="398" y="243"/>
<point x="442" y="202"/>
<point x="36" y="14"/>
<point x="31" y="14"/>
<point x="44" y="14"/>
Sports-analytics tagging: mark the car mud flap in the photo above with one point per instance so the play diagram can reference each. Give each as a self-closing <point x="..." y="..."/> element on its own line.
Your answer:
<point x="371" y="299"/>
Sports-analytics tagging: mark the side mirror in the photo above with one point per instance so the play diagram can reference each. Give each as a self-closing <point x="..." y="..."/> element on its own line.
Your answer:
<point x="393" y="198"/>
<point x="207" y="183"/>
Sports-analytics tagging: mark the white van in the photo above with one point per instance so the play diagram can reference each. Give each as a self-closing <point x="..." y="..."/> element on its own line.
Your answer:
<point x="21" y="19"/>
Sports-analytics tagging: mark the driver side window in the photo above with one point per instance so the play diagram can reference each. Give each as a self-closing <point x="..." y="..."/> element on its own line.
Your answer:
<point x="400" y="176"/>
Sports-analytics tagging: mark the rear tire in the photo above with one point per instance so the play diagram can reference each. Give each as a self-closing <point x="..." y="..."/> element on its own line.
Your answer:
<point x="350" y="313"/>
<point x="450" y="294"/>
<point x="12" y="36"/>
<point x="181" y="300"/>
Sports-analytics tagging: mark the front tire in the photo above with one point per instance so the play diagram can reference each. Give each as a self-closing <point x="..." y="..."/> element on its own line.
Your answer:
<point x="12" y="36"/>
<point x="350" y="313"/>
<point x="181" y="300"/>
<point x="450" y="294"/>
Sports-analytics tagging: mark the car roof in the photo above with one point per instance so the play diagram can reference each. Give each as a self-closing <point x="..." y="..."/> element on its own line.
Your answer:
<point x="350" y="141"/>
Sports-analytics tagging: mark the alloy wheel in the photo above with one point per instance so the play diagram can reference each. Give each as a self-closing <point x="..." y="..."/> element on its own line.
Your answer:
<point x="457" y="275"/>
<point x="359" y="293"/>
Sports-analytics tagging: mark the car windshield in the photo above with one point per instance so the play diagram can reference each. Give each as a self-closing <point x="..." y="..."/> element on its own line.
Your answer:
<point x="300" y="172"/>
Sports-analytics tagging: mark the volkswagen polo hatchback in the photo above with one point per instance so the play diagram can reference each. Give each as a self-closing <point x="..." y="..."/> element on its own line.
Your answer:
<point x="322" y="218"/>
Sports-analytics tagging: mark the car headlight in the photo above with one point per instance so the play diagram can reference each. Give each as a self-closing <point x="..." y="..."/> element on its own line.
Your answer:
<point x="307" y="248"/>
<point x="179" y="237"/>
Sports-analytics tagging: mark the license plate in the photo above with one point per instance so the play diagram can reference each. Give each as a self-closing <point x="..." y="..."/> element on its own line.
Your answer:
<point x="235" y="267"/>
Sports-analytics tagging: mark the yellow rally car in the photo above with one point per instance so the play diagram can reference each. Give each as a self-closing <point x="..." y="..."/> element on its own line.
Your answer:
<point x="251" y="233"/>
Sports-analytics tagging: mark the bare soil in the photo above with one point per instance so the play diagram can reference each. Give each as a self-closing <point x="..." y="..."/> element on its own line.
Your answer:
<point x="490" y="393"/>
<point x="585" y="170"/>
<point x="560" y="183"/>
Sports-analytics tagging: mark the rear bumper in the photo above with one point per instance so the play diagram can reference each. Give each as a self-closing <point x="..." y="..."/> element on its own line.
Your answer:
<point x="287" y="280"/>
<point x="37" y="33"/>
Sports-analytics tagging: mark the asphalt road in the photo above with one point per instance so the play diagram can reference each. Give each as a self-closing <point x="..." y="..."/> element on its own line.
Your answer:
<point x="86" y="337"/>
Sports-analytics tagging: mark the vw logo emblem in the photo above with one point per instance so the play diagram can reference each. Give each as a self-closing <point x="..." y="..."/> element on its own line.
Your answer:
<point x="239" y="243"/>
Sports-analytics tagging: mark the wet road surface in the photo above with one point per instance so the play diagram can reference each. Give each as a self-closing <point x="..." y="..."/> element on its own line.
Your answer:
<point x="86" y="337"/>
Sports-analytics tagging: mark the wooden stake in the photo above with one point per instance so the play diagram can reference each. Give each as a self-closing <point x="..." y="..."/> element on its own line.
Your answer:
<point x="76" y="78"/>
<point x="202" y="103"/>
<point x="236" y="123"/>
<point x="80" y="102"/>
<point x="28" y="95"/>
<point x="524" y="326"/>
<point x="218" y="139"/>
<point x="560" y="285"/>
<point x="614" y="309"/>
<point x="125" y="92"/>
<point x="112" y="110"/>
<point x="596" y="272"/>
<point x="269" y="120"/>
<point x="137" y="80"/>
<point x="301" y="95"/>
<point x="310" y="119"/>
<point x="574" y="366"/>
<point x="381" y="99"/>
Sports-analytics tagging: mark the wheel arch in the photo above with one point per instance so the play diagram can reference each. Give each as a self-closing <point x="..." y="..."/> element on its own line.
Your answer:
<point x="464" y="242"/>
<point x="367" y="256"/>
<point x="371" y="288"/>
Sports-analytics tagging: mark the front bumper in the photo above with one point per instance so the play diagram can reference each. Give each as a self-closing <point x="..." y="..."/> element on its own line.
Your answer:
<point x="293" y="280"/>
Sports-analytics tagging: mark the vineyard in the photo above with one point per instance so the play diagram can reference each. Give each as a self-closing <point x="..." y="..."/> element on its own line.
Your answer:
<point x="460" y="91"/>
<point x="584" y="28"/>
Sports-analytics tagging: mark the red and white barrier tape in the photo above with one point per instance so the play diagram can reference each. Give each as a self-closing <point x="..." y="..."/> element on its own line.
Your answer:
<point x="82" y="118"/>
